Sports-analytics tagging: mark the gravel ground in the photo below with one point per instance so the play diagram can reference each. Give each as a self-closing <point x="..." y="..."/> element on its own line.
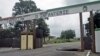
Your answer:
<point x="48" y="50"/>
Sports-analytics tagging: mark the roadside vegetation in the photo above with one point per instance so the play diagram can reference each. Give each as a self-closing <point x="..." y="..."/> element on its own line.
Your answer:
<point x="57" y="40"/>
<point x="66" y="36"/>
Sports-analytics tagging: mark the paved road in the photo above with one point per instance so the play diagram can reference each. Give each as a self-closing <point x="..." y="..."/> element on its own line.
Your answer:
<point x="95" y="54"/>
<point x="47" y="50"/>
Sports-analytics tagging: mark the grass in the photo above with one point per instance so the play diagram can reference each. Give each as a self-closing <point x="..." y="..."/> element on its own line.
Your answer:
<point x="97" y="29"/>
<point x="55" y="40"/>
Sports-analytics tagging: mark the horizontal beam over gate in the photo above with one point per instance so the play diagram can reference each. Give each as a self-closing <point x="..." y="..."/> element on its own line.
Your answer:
<point x="85" y="7"/>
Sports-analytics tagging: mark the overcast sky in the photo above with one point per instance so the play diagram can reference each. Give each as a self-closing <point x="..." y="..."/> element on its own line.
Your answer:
<point x="56" y="24"/>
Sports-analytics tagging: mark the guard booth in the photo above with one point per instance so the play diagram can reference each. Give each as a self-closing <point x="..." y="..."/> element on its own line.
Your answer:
<point x="26" y="41"/>
<point x="31" y="39"/>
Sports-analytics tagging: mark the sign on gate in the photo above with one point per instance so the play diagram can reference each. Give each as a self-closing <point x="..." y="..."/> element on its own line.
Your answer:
<point x="84" y="7"/>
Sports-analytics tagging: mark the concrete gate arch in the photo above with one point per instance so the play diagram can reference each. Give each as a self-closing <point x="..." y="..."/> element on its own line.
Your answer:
<point x="78" y="8"/>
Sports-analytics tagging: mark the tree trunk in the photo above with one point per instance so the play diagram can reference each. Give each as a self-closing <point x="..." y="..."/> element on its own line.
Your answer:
<point x="67" y="39"/>
<point x="44" y="40"/>
<point x="49" y="39"/>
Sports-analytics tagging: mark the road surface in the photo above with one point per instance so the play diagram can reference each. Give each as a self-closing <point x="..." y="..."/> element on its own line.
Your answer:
<point x="48" y="50"/>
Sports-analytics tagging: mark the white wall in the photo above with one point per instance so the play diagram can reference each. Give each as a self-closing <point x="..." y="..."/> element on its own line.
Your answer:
<point x="97" y="41"/>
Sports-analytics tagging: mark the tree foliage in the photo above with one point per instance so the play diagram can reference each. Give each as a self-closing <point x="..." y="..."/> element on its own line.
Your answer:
<point x="18" y="26"/>
<point x="23" y="7"/>
<point x="97" y="20"/>
<point x="20" y="8"/>
<point x="28" y="6"/>
<point x="6" y="33"/>
<point x="43" y="26"/>
<point x="68" y="34"/>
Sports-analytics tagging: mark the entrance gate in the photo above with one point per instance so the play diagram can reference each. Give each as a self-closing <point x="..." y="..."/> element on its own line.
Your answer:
<point x="79" y="8"/>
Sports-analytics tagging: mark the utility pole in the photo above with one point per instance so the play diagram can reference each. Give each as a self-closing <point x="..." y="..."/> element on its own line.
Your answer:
<point x="81" y="32"/>
<point x="92" y="31"/>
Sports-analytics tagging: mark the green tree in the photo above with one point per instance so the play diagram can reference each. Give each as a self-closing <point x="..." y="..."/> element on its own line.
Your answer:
<point x="20" y="8"/>
<point x="6" y="33"/>
<point x="18" y="28"/>
<point x="23" y="7"/>
<point x="51" y="37"/>
<point x="28" y="6"/>
<point x="68" y="34"/>
<point x="43" y="26"/>
<point x="96" y="19"/>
